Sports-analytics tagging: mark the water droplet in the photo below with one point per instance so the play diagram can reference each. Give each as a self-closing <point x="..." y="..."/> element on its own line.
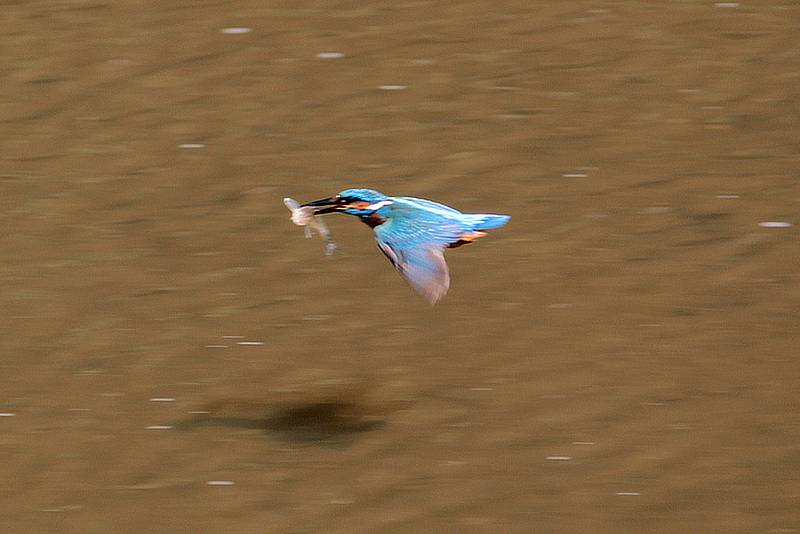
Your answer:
<point x="392" y="87"/>
<point x="236" y="31"/>
<point x="249" y="342"/>
<point x="191" y="145"/>
<point x="775" y="224"/>
<point x="220" y="482"/>
<point x="330" y="55"/>
<point x="559" y="458"/>
<point x="159" y="427"/>
<point x="628" y="493"/>
<point x="162" y="399"/>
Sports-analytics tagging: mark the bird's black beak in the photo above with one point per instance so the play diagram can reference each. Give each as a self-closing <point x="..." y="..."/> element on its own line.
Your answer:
<point x="331" y="205"/>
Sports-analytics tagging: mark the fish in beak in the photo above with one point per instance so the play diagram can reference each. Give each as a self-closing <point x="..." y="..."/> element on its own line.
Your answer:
<point x="327" y="205"/>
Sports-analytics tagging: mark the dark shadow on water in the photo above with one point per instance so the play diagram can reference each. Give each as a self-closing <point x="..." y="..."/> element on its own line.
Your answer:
<point x="328" y="422"/>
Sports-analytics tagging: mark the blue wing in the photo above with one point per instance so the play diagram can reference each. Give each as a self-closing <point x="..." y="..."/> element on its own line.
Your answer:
<point x="414" y="238"/>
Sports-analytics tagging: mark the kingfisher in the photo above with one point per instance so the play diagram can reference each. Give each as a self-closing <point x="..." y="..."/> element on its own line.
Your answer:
<point x="413" y="233"/>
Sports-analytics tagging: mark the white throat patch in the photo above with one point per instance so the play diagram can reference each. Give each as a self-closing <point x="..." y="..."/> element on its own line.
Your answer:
<point x="378" y="205"/>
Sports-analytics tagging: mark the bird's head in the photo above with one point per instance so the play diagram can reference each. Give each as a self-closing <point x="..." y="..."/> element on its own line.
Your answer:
<point x="359" y="202"/>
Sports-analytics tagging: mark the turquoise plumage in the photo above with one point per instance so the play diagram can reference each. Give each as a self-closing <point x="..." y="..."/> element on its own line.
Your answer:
<point x="413" y="233"/>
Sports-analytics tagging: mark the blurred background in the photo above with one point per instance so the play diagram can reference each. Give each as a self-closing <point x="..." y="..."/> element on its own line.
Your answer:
<point x="622" y="357"/>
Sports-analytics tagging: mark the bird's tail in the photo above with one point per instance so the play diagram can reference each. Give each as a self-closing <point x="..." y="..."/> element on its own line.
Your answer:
<point x="487" y="221"/>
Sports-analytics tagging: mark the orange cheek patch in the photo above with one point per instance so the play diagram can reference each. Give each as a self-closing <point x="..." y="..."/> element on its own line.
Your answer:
<point x="470" y="237"/>
<point x="360" y="205"/>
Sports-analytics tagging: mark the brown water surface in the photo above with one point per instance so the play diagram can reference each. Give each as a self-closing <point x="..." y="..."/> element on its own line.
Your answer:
<point x="622" y="357"/>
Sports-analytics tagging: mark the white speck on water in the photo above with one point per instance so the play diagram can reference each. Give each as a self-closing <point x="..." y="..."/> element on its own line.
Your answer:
<point x="728" y="5"/>
<point x="249" y="342"/>
<point x="191" y="145"/>
<point x="584" y="443"/>
<point x="162" y="399"/>
<point x="232" y="337"/>
<point x="392" y="87"/>
<point x="236" y="31"/>
<point x="628" y="493"/>
<point x="775" y="224"/>
<point x="575" y="175"/>
<point x="727" y="197"/>
<point x="220" y="482"/>
<point x="512" y="116"/>
<point x="159" y="427"/>
<point x="655" y="404"/>
<point x="559" y="458"/>
<point x="216" y="346"/>
<point x="330" y="55"/>
<point x="7" y="414"/>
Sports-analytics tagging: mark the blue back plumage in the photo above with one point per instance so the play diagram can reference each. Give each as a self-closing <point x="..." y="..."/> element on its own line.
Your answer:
<point x="414" y="232"/>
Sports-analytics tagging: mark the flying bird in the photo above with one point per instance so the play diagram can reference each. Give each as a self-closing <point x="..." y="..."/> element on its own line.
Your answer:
<point x="413" y="233"/>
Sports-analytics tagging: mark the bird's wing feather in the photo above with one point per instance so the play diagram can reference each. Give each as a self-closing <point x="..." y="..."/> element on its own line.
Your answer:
<point x="428" y="204"/>
<point x="414" y="239"/>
